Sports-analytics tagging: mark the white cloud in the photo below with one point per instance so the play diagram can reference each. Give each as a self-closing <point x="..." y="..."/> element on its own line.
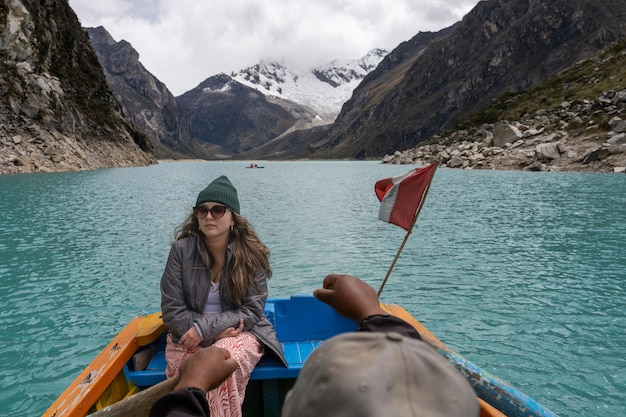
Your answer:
<point x="183" y="42"/>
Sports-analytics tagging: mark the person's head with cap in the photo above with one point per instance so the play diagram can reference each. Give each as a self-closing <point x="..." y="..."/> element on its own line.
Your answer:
<point x="216" y="213"/>
<point x="222" y="191"/>
<point x="371" y="374"/>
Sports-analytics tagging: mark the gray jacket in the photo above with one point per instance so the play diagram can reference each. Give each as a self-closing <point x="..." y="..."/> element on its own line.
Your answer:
<point x="184" y="288"/>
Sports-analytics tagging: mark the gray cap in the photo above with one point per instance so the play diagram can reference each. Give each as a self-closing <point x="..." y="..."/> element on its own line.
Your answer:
<point x="370" y="374"/>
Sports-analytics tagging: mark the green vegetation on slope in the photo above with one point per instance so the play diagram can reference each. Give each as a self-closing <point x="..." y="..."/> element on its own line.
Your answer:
<point x="584" y="81"/>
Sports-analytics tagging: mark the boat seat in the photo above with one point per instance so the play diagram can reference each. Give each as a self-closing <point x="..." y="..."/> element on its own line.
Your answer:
<point x="302" y="323"/>
<point x="267" y="368"/>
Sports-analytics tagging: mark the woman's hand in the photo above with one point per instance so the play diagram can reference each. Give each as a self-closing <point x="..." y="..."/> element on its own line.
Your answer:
<point x="191" y="339"/>
<point x="231" y="331"/>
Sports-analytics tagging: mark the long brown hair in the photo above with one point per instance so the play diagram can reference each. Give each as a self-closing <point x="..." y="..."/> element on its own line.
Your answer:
<point x="249" y="255"/>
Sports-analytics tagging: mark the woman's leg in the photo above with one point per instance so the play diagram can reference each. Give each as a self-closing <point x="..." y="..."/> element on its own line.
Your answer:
<point x="227" y="399"/>
<point x="174" y="357"/>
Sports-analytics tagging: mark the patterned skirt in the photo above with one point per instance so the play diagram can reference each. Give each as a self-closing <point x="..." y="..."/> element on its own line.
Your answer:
<point x="225" y="400"/>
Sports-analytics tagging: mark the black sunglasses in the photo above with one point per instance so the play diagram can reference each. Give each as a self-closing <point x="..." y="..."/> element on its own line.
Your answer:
<point x="217" y="212"/>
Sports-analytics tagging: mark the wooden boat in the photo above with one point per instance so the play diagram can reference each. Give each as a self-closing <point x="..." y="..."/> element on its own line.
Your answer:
<point x="129" y="374"/>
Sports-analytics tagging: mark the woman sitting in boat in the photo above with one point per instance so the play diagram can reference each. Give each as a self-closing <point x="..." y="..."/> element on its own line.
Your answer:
<point x="384" y="369"/>
<point x="213" y="292"/>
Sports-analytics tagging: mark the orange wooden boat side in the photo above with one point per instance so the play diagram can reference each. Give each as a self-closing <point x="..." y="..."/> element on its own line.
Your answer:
<point x="87" y="388"/>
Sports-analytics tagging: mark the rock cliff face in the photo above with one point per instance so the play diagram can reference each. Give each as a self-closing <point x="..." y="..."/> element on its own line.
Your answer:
<point x="573" y="121"/>
<point x="57" y="112"/>
<point x="499" y="46"/>
<point x="145" y="100"/>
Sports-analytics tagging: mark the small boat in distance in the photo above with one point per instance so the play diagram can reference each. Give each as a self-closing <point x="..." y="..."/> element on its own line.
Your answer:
<point x="254" y="166"/>
<point x="127" y="377"/>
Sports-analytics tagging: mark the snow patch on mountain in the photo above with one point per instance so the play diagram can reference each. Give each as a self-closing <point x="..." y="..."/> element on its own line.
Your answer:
<point x="323" y="89"/>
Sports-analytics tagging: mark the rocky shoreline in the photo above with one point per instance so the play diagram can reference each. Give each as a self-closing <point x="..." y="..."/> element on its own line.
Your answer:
<point x="29" y="148"/>
<point x="578" y="135"/>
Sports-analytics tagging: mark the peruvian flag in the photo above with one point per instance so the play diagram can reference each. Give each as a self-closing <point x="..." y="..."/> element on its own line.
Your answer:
<point x="401" y="197"/>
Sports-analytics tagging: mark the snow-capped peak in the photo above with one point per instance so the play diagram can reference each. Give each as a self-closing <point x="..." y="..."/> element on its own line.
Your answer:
<point x="323" y="89"/>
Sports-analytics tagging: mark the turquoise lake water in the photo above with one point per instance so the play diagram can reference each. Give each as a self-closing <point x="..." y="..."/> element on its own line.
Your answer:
<point x="522" y="273"/>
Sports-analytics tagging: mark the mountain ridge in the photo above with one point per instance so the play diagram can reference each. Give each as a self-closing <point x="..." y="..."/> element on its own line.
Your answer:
<point x="68" y="118"/>
<point x="233" y="115"/>
<point x="323" y="89"/>
<point x="144" y="99"/>
<point x="226" y="116"/>
<point x="498" y="46"/>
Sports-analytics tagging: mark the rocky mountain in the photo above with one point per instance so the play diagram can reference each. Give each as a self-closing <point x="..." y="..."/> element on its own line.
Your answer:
<point x="227" y="118"/>
<point x="573" y="121"/>
<point x="386" y="75"/>
<point x="234" y="115"/>
<point x="323" y="89"/>
<point x="57" y="112"/>
<point x="227" y="115"/>
<point x="499" y="46"/>
<point x="145" y="100"/>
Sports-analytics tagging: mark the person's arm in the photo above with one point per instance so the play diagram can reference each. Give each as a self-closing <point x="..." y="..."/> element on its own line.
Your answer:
<point x="356" y="300"/>
<point x="186" y="402"/>
<point x="177" y="315"/>
<point x="200" y="372"/>
<point x="388" y="323"/>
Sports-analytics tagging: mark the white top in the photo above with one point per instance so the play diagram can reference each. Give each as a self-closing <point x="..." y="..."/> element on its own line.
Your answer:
<point x="212" y="303"/>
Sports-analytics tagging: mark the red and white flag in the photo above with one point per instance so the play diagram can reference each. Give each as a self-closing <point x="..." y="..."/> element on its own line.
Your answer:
<point x="401" y="197"/>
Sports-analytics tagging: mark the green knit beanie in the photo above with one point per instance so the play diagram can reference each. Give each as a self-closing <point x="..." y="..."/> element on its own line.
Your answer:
<point x="221" y="190"/>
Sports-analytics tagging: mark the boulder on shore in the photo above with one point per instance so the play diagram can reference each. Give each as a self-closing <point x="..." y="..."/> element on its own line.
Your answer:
<point x="541" y="141"/>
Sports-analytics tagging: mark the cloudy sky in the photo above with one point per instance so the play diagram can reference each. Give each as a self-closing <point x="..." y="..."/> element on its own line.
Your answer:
<point x="183" y="42"/>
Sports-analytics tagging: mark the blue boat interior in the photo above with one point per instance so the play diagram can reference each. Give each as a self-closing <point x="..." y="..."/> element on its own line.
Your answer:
<point x="302" y="323"/>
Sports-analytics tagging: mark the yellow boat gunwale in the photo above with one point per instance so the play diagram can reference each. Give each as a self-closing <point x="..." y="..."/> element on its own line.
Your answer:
<point x="88" y="387"/>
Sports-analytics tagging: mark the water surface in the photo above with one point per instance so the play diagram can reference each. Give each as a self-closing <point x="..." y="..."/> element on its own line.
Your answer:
<point x="521" y="273"/>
